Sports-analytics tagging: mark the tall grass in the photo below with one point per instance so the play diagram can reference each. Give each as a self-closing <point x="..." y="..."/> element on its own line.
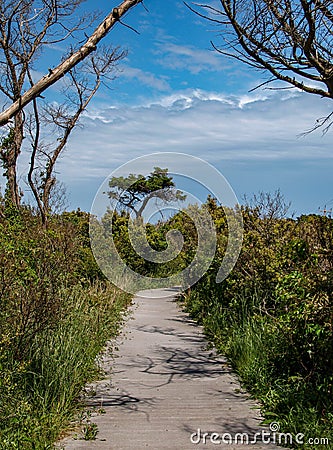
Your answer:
<point x="56" y="313"/>
<point x="255" y="347"/>
<point x="61" y="362"/>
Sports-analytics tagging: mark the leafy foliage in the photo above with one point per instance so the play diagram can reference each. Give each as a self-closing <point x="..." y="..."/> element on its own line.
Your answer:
<point x="134" y="192"/>
<point x="57" y="311"/>
<point x="273" y="315"/>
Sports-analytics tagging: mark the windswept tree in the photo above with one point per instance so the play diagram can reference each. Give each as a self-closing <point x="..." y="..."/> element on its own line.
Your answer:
<point x="290" y="40"/>
<point x="133" y="193"/>
<point x="28" y="28"/>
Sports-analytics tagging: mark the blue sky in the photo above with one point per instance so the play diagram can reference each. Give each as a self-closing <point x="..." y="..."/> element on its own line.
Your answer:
<point x="174" y="93"/>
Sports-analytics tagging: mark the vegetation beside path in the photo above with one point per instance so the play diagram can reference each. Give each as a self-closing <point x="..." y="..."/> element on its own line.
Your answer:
<point x="273" y="316"/>
<point x="57" y="312"/>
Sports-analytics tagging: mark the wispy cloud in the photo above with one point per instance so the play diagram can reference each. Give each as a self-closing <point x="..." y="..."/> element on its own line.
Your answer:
<point x="185" y="57"/>
<point x="146" y="78"/>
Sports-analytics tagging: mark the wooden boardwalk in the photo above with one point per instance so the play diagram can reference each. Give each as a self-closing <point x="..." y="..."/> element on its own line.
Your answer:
<point x="164" y="385"/>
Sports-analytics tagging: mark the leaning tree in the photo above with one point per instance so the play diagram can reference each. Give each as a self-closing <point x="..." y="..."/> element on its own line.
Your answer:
<point x="28" y="28"/>
<point x="132" y="193"/>
<point x="291" y="40"/>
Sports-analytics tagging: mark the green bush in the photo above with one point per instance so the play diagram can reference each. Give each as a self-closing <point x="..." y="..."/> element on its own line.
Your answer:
<point x="56" y="314"/>
<point x="273" y="316"/>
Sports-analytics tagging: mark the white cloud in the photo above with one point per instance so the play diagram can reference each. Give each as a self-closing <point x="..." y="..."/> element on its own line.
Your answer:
<point x="176" y="57"/>
<point x="146" y="78"/>
<point x="200" y="123"/>
<point x="256" y="137"/>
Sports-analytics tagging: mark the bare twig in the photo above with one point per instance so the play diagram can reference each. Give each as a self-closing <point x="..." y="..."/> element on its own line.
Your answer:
<point x="69" y="63"/>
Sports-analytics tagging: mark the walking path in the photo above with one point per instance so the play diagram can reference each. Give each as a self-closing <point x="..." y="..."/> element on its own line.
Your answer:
<point x="164" y="385"/>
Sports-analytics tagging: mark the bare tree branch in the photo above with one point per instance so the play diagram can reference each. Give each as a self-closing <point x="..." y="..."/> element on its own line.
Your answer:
<point x="282" y="37"/>
<point x="70" y="62"/>
<point x="35" y="136"/>
<point x="291" y="40"/>
<point x="64" y="118"/>
<point x="26" y="27"/>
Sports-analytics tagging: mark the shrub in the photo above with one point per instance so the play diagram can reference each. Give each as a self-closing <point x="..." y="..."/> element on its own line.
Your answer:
<point x="273" y="316"/>
<point x="56" y="314"/>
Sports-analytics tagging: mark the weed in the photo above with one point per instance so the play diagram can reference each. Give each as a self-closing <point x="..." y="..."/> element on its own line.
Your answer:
<point x="90" y="431"/>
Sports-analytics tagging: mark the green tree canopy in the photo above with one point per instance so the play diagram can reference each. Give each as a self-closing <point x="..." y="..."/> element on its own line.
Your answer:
<point x="134" y="191"/>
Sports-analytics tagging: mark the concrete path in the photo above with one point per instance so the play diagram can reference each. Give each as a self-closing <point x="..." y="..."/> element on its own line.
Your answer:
<point x="165" y="385"/>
